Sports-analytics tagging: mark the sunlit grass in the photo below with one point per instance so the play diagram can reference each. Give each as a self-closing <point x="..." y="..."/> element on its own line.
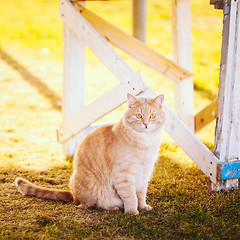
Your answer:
<point x="31" y="90"/>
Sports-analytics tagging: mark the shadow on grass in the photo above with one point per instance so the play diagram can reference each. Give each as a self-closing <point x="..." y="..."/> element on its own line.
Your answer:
<point x="182" y="208"/>
<point x="42" y="88"/>
<point x="204" y="92"/>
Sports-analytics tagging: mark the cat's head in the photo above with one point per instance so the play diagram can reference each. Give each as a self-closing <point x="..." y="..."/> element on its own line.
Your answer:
<point x="144" y="114"/>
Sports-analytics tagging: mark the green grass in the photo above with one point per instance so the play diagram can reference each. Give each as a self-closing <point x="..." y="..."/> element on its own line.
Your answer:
<point x="31" y="89"/>
<point x="183" y="208"/>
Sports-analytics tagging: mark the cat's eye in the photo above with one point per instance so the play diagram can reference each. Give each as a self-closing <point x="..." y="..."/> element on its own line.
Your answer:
<point x="138" y="115"/>
<point x="153" y="115"/>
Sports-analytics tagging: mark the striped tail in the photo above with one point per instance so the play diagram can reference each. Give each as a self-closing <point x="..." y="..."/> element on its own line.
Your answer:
<point x="30" y="189"/>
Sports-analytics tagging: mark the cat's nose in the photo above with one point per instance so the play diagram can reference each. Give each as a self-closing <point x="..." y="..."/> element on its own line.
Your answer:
<point x="145" y="124"/>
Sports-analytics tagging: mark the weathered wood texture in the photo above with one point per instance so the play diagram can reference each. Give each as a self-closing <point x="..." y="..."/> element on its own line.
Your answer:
<point x="182" y="48"/>
<point x="227" y="136"/>
<point x="135" y="48"/>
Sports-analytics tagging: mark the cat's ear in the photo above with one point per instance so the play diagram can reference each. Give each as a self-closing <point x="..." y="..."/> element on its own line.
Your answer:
<point x="131" y="100"/>
<point x="159" y="100"/>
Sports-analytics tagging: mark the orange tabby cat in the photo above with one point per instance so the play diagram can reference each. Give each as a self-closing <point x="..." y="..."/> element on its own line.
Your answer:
<point x="113" y="164"/>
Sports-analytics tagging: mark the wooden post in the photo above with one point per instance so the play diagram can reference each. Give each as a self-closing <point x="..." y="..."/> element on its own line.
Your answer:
<point x="182" y="49"/>
<point x="129" y="82"/>
<point x="73" y="82"/>
<point x="139" y="19"/>
<point x="227" y="134"/>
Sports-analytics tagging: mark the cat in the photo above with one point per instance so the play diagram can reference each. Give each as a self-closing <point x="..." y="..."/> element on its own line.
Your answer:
<point x="114" y="163"/>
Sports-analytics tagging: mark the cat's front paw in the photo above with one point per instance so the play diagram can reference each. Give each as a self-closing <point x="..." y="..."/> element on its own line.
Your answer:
<point x="114" y="208"/>
<point x="146" y="208"/>
<point x="132" y="212"/>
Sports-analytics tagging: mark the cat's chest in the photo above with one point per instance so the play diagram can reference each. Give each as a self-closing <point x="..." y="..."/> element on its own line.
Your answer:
<point x="139" y="162"/>
<point x="138" y="155"/>
<point x="143" y="171"/>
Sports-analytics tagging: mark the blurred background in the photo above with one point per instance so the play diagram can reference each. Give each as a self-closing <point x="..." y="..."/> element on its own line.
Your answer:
<point x="31" y="82"/>
<point x="31" y="70"/>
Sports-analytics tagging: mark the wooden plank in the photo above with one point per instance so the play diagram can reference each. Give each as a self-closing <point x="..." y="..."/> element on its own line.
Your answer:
<point x="206" y="115"/>
<point x="231" y="106"/>
<point x="222" y="82"/>
<point x="192" y="146"/>
<point x="189" y="142"/>
<point x="135" y="48"/>
<point x="200" y="154"/>
<point x="73" y="82"/>
<point x="182" y="49"/>
<point x="97" y="109"/>
<point x="232" y="151"/>
<point x="227" y="134"/>
<point x="91" y="38"/>
<point x="139" y="19"/>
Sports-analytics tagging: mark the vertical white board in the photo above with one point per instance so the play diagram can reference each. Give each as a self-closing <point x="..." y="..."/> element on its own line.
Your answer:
<point x="73" y="82"/>
<point x="227" y="134"/>
<point x="182" y="49"/>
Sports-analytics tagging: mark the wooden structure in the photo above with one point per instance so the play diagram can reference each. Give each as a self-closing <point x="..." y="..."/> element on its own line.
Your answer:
<point x="84" y="28"/>
<point x="227" y="136"/>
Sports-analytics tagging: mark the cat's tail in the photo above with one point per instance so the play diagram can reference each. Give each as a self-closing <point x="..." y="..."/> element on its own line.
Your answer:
<point x="30" y="189"/>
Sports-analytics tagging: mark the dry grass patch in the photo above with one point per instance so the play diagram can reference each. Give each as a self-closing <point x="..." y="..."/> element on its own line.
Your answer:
<point x="31" y="87"/>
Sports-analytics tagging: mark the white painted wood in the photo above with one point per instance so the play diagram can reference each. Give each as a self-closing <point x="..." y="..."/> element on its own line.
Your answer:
<point x="231" y="108"/>
<point x="182" y="49"/>
<point x="199" y="153"/>
<point x="139" y="19"/>
<point x="192" y="146"/>
<point x="73" y="81"/>
<point x="189" y="142"/>
<point x="97" y="109"/>
<point x="227" y="134"/>
<point x="90" y="37"/>
<point x="222" y="81"/>
<point x="134" y="47"/>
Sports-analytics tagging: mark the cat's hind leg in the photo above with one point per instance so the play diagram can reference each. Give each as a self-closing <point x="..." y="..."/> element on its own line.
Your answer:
<point x="82" y="191"/>
<point x="93" y="194"/>
<point x="109" y="199"/>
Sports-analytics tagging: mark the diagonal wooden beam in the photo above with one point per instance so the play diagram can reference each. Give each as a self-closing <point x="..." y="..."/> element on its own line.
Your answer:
<point x="91" y="38"/>
<point x="99" y="108"/>
<point x="190" y="143"/>
<point x="134" y="47"/>
<point x="206" y="115"/>
<point x="193" y="147"/>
